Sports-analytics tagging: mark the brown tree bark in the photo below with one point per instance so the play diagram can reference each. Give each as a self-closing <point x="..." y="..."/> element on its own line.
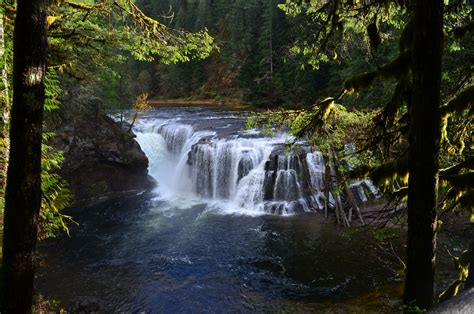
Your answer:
<point x="23" y="191"/>
<point x="424" y="150"/>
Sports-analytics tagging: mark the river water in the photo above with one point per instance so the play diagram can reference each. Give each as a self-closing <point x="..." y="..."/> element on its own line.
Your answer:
<point x="232" y="226"/>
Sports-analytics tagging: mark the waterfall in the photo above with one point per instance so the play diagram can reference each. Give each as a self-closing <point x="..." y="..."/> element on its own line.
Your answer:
<point x="317" y="170"/>
<point x="365" y="190"/>
<point x="175" y="136"/>
<point x="218" y="166"/>
<point x="244" y="171"/>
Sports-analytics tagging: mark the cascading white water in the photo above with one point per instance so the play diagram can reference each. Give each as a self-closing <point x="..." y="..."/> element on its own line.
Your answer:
<point x="317" y="170"/>
<point x="248" y="174"/>
<point x="216" y="167"/>
<point x="175" y="135"/>
<point x="201" y="157"/>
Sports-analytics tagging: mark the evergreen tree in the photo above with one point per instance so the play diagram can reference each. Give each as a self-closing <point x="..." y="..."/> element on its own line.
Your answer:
<point x="23" y="192"/>
<point x="252" y="63"/>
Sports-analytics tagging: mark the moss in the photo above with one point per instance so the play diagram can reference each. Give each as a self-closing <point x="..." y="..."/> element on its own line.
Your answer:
<point x="444" y="128"/>
<point x="82" y="6"/>
<point x="463" y="101"/>
<point x="389" y="171"/>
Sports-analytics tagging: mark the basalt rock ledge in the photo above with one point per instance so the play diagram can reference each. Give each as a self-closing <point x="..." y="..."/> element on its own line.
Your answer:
<point x="102" y="159"/>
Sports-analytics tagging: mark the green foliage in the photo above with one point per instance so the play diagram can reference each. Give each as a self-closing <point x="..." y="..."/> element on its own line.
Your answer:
<point x="121" y="24"/>
<point x="93" y="42"/>
<point x="327" y="28"/>
<point x="413" y="309"/>
<point x="52" y="91"/>
<point x="56" y="194"/>
<point x="342" y="127"/>
<point x="255" y="64"/>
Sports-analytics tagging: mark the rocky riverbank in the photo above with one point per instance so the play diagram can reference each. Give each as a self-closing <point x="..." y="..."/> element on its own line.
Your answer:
<point x="101" y="159"/>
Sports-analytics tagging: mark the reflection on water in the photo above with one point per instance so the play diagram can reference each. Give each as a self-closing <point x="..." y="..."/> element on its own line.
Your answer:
<point x="143" y="254"/>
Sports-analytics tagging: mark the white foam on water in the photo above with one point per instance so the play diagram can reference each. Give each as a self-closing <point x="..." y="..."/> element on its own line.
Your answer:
<point x="235" y="175"/>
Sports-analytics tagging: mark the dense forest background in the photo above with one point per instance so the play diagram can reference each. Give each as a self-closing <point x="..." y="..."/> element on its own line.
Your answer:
<point x="254" y="63"/>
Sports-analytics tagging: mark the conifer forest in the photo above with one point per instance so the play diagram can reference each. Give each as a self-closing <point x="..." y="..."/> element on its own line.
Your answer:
<point x="236" y="156"/>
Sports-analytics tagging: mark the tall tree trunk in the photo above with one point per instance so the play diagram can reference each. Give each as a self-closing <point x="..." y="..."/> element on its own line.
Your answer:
<point x="23" y="191"/>
<point x="424" y="150"/>
<point x="4" y="108"/>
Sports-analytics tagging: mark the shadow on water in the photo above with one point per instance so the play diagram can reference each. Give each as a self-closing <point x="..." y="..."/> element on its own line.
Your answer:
<point x="206" y="243"/>
<point x="143" y="254"/>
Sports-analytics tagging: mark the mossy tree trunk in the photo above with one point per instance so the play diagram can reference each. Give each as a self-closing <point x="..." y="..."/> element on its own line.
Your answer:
<point x="23" y="191"/>
<point x="424" y="150"/>
<point x="4" y="108"/>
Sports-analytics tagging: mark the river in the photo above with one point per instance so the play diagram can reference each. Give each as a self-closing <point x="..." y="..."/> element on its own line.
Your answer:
<point x="233" y="225"/>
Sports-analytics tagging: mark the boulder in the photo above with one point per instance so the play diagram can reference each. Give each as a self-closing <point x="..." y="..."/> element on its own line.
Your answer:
<point x="101" y="158"/>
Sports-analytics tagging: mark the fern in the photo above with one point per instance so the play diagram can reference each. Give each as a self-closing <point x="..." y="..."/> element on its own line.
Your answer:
<point x="56" y="193"/>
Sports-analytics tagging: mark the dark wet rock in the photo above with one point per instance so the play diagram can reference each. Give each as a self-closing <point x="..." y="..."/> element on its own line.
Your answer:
<point x="267" y="264"/>
<point x="297" y="179"/>
<point x="101" y="158"/>
<point x="268" y="183"/>
<point x="195" y="148"/>
<point x="245" y="166"/>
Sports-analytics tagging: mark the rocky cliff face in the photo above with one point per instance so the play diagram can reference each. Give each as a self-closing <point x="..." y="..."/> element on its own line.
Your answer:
<point x="101" y="158"/>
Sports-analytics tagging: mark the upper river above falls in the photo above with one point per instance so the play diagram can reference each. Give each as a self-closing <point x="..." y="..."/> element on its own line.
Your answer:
<point x="232" y="226"/>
